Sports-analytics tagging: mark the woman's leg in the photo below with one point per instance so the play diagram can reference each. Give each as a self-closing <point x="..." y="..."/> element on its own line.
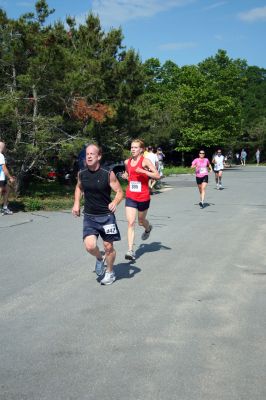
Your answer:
<point x="200" y="189"/>
<point x="143" y="221"/>
<point x="131" y="217"/>
<point x="203" y="191"/>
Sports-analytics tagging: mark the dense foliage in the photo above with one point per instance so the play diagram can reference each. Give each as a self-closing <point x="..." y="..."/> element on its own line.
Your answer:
<point x="63" y="85"/>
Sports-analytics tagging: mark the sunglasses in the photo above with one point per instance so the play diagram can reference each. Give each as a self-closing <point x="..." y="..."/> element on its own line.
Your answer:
<point x="201" y="152"/>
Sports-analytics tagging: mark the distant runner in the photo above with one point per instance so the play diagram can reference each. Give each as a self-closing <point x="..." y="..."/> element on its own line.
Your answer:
<point x="202" y="166"/>
<point x="218" y="161"/>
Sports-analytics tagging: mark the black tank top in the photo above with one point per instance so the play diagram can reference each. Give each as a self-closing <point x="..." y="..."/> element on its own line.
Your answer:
<point x="97" y="191"/>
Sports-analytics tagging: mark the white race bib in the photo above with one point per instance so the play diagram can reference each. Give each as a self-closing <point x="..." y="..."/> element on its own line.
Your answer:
<point x="110" y="229"/>
<point x="203" y="170"/>
<point x="135" y="186"/>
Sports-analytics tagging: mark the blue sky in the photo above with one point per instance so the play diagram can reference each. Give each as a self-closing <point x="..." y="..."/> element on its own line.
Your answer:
<point x="184" y="31"/>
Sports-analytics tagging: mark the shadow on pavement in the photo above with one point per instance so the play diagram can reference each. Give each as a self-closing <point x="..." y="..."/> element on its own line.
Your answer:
<point x="125" y="270"/>
<point x="150" y="248"/>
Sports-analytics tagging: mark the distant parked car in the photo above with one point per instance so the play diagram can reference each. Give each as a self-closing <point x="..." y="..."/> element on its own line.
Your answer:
<point x="52" y="175"/>
<point x="117" y="167"/>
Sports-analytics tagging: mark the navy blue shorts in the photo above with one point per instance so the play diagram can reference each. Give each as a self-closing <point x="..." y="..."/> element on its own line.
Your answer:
<point x="103" y="225"/>
<point x="139" y="205"/>
<point x="202" y="179"/>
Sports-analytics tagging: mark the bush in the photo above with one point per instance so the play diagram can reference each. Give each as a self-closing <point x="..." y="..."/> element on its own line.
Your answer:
<point x="32" y="204"/>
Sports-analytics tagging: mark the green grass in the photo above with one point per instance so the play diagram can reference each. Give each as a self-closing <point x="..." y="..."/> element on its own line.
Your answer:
<point x="44" y="196"/>
<point x="171" y="170"/>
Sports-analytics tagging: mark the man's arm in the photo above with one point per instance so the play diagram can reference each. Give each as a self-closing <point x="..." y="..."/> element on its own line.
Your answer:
<point x="77" y="197"/>
<point x="116" y="187"/>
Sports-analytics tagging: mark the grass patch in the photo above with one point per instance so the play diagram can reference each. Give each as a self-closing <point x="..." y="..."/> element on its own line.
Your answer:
<point x="44" y="196"/>
<point x="172" y="170"/>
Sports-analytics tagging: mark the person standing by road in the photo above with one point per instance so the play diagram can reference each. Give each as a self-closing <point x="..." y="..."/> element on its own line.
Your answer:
<point x="243" y="157"/>
<point x="4" y="175"/>
<point x="138" y="172"/>
<point x="99" y="219"/>
<point x="202" y="166"/>
<point x="160" y="156"/>
<point x="258" y="156"/>
<point x="218" y="161"/>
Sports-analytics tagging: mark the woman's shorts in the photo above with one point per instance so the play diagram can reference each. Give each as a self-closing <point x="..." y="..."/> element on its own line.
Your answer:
<point x="139" y="205"/>
<point x="202" y="179"/>
<point x="103" y="225"/>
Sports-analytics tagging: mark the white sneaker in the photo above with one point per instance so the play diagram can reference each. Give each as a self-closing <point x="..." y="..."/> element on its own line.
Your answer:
<point x="108" y="279"/>
<point x="217" y="186"/>
<point x="6" y="211"/>
<point x="99" y="267"/>
<point x="220" y="186"/>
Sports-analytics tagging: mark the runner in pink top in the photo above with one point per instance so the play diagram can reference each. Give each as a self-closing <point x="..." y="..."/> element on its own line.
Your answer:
<point x="202" y="166"/>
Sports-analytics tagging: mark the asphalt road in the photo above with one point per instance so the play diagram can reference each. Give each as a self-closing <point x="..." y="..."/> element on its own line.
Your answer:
<point x="186" y="321"/>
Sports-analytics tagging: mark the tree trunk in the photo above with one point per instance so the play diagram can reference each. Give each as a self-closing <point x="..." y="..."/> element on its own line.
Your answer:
<point x="13" y="90"/>
<point x="183" y="159"/>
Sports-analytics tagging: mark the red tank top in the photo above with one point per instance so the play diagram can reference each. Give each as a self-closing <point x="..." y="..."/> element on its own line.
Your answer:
<point x="138" y="184"/>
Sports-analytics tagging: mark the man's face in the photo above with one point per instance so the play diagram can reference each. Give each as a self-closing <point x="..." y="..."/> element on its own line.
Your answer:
<point x="92" y="156"/>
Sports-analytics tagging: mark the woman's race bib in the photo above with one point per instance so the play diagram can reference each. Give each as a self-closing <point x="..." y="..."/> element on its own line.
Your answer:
<point x="135" y="186"/>
<point x="203" y="170"/>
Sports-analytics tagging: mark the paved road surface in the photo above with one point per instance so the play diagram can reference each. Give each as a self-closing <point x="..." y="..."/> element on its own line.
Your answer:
<point x="186" y="321"/>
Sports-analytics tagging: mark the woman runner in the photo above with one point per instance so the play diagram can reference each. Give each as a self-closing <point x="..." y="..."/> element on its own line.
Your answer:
<point x="201" y="165"/>
<point x="138" y="172"/>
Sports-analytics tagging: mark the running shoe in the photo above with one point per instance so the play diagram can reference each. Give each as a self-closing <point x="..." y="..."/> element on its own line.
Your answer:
<point x="99" y="267"/>
<point x="6" y="211"/>
<point x="218" y="186"/>
<point x="130" y="255"/>
<point x="146" y="234"/>
<point x="108" y="279"/>
<point x="201" y="204"/>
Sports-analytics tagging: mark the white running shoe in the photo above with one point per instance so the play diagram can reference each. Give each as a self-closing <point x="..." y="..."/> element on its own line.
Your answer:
<point x="99" y="267"/>
<point x="145" y="234"/>
<point x="108" y="279"/>
<point x="217" y="186"/>
<point x="130" y="255"/>
<point x="6" y="211"/>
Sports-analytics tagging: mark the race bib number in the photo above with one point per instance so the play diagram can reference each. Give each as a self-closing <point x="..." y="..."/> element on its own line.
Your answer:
<point x="135" y="186"/>
<point x="203" y="170"/>
<point x="110" y="229"/>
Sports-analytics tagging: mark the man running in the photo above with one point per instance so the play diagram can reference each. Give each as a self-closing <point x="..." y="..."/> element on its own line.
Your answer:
<point x="138" y="172"/>
<point x="201" y="165"/>
<point x="218" y="161"/>
<point x="99" y="219"/>
<point x="4" y="175"/>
